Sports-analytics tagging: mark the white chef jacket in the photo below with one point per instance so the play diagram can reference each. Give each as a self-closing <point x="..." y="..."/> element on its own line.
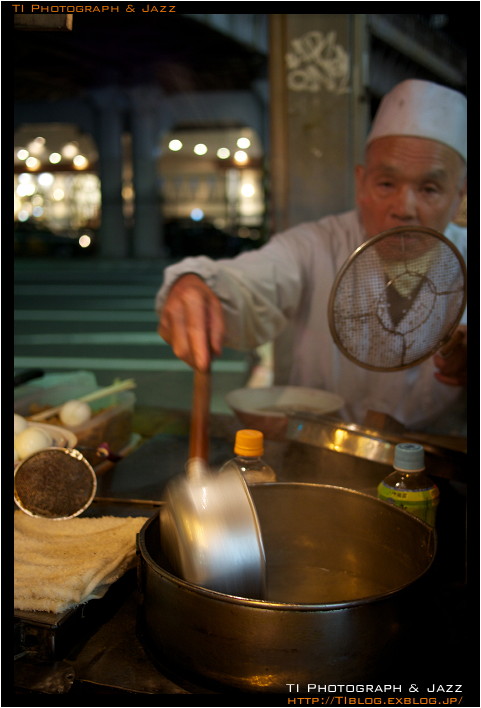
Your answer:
<point x="280" y="293"/>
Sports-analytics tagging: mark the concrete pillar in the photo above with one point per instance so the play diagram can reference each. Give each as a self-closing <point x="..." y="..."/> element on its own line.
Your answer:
<point x="319" y="113"/>
<point x="109" y="111"/>
<point x="144" y="108"/>
<point x="318" y="117"/>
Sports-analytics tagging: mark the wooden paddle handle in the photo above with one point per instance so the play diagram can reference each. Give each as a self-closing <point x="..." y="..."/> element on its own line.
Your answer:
<point x="199" y="425"/>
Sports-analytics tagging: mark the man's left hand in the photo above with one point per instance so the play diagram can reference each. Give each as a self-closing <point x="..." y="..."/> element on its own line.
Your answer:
<point x="451" y="360"/>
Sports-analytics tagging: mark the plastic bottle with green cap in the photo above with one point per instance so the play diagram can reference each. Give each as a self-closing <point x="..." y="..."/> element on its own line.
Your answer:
<point x="249" y="449"/>
<point x="408" y="486"/>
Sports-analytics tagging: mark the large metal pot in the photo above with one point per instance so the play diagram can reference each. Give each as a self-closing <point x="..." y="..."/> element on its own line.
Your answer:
<point x="445" y="455"/>
<point x="341" y="571"/>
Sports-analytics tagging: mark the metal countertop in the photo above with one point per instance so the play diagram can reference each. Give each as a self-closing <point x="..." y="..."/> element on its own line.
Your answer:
<point x="110" y="658"/>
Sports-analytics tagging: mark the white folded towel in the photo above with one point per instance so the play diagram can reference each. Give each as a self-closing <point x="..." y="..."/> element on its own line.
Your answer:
<point x="60" y="564"/>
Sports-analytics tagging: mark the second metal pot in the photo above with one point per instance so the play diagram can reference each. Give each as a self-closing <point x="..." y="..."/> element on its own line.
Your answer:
<point x="210" y="531"/>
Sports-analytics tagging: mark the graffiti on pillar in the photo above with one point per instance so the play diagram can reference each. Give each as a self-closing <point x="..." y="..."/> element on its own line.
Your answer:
<point x="317" y="61"/>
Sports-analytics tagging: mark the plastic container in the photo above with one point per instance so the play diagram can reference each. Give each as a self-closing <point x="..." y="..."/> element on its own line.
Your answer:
<point x="112" y="416"/>
<point x="408" y="486"/>
<point x="52" y="390"/>
<point x="248" y="449"/>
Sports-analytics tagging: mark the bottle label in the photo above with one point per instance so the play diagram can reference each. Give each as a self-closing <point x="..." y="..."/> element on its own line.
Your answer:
<point x="422" y="503"/>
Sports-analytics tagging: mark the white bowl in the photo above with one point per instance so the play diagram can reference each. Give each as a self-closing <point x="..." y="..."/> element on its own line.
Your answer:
<point x="268" y="409"/>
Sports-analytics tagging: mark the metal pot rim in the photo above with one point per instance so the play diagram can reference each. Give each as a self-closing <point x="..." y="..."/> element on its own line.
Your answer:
<point x="334" y="434"/>
<point x="288" y="606"/>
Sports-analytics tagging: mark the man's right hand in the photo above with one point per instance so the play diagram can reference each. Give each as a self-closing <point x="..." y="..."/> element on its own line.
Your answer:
<point x="192" y="321"/>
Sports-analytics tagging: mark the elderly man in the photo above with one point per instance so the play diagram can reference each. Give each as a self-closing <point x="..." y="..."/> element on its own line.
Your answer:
<point x="414" y="174"/>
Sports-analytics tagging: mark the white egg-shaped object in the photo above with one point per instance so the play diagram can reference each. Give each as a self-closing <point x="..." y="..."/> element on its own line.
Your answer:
<point x="75" y="413"/>
<point x="19" y="423"/>
<point x="31" y="440"/>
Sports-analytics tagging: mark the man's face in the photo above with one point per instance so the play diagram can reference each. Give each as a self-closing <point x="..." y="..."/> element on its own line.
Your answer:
<point x="409" y="182"/>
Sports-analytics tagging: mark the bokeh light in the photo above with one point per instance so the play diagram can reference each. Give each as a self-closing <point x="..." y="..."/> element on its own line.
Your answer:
<point x="80" y="162"/>
<point x="196" y="214"/>
<point x="241" y="157"/>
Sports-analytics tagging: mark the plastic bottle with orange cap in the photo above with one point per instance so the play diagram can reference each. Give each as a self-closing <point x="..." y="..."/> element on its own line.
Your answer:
<point x="249" y="449"/>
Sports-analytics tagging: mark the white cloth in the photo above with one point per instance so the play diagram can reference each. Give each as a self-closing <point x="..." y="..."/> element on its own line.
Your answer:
<point x="281" y="292"/>
<point x="60" y="564"/>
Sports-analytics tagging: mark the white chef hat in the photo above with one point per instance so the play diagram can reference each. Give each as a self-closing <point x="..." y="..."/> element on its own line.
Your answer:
<point x="423" y="109"/>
